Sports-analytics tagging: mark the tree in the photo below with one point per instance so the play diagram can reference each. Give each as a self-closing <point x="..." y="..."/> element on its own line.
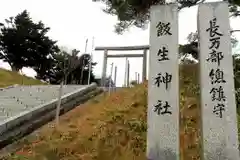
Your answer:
<point x="136" y="12"/>
<point x="24" y="43"/>
<point x="82" y="71"/>
<point x="109" y="82"/>
<point x="192" y="46"/>
<point x="68" y="67"/>
<point x="134" y="82"/>
<point x="236" y="71"/>
<point x="59" y="67"/>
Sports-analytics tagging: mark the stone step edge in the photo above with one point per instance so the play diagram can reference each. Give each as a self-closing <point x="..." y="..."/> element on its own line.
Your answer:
<point x="8" y="87"/>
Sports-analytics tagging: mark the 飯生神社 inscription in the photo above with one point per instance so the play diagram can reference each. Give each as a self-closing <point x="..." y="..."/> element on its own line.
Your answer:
<point x="163" y="97"/>
<point x="219" y="123"/>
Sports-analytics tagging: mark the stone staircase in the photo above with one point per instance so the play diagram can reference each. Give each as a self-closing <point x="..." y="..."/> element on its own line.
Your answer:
<point x="25" y="108"/>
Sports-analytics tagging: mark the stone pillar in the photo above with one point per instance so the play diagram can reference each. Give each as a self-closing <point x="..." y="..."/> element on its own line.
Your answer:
<point x="219" y="115"/>
<point x="144" y="66"/>
<point x="163" y="96"/>
<point x="103" y="80"/>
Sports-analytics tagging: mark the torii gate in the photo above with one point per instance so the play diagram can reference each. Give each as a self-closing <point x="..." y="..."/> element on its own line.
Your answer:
<point x="124" y="48"/>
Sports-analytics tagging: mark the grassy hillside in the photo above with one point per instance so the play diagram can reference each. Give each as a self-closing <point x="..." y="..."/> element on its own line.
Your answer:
<point x="8" y="78"/>
<point x="114" y="128"/>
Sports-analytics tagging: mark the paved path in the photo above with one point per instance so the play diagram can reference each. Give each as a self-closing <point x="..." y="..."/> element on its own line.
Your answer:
<point x="21" y="98"/>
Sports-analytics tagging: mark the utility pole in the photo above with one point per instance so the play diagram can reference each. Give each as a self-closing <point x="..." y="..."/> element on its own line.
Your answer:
<point x="81" y="79"/>
<point x="65" y="71"/>
<point x="59" y="103"/>
<point x="90" y="62"/>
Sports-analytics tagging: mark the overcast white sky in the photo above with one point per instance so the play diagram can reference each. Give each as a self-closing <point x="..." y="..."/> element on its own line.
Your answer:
<point x="72" y="21"/>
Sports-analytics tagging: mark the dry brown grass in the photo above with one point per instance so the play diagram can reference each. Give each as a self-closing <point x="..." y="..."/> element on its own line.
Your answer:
<point x="113" y="128"/>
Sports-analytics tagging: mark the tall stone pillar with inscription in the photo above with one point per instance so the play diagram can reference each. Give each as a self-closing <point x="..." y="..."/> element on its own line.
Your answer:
<point x="219" y="119"/>
<point x="163" y="85"/>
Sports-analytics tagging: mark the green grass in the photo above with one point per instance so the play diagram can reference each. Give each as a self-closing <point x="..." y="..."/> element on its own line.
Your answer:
<point x="8" y="78"/>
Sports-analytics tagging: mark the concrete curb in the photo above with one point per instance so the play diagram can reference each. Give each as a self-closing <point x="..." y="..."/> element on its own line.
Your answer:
<point x="15" y="85"/>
